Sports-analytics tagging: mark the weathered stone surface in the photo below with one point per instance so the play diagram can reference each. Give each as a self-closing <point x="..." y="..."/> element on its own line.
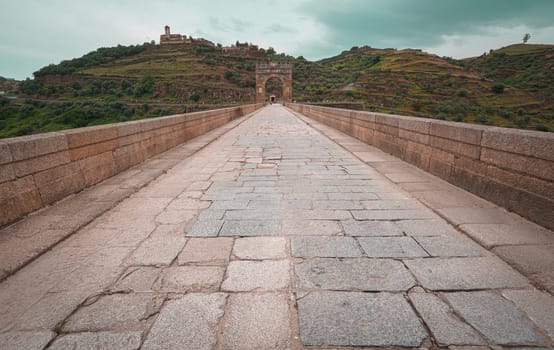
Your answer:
<point x="371" y="228"/>
<point x="187" y="323"/>
<point x="304" y="227"/>
<point x="391" y="247"/>
<point x="50" y="311"/>
<point x="465" y="273"/>
<point x="445" y="326"/>
<point x="174" y="217"/>
<point x="491" y="235"/>
<point x="206" y="251"/>
<point x="257" y="321"/>
<point x="528" y="258"/>
<point x="184" y="279"/>
<point x="160" y="248"/>
<point x="25" y="340"/>
<point x="138" y="279"/>
<point x="358" y="319"/>
<point x="435" y="227"/>
<point x="461" y="216"/>
<point x="455" y="245"/>
<point x="260" y="248"/>
<point x="250" y="228"/>
<point x="256" y="275"/>
<point x="496" y="318"/>
<point x="114" y="312"/>
<point x="100" y="340"/>
<point x="205" y="228"/>
<point x="353" y="274"/>
<point x="325" y="247"/>
<point x="392" y="214"/>
<point x="537" y="305"/>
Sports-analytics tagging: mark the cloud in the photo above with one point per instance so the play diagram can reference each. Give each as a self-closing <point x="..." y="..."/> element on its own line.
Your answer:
<point x="422" y="23"/>
<point x="35" y="33"/>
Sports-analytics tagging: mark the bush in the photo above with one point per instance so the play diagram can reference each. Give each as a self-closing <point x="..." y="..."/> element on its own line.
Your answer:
<point x="541" y="127"/>
<point x="498" y="88"/>
<point x="483" y="119"/>
<point x="194" y="97"/>
<point x="462" y="93"/>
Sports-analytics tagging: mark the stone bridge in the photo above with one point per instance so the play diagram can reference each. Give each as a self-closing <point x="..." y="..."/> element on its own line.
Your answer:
<point x="277" y="228"/>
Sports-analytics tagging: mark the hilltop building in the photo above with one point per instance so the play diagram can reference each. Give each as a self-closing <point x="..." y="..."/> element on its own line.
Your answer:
<point x="241" y="47"/>
<point x="177" y="39"/>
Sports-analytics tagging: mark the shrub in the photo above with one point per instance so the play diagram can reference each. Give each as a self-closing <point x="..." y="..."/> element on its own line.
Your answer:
<point x="462" y="93"/>
<point x="483" y="119"/>
<point x="541" y="127"/>
<point x="498" y="88"/>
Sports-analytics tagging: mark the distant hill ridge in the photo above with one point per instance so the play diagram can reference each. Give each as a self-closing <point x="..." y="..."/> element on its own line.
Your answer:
<point x="512" y="86"/>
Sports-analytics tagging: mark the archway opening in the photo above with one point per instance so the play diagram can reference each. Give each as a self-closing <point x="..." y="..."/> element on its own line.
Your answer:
<point x="274" y="90"/>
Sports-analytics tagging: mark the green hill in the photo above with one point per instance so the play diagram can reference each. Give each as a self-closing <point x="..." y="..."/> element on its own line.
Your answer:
<point x="512" y="86"/>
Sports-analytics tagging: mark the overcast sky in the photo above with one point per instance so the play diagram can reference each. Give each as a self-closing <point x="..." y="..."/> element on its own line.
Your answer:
<point x="34" y="33"/>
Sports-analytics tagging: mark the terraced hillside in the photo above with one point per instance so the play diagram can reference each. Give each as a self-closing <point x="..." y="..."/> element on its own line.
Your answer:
<point x="512" y="86"/>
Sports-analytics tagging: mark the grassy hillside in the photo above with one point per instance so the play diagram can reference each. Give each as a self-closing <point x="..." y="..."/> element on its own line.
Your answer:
<point x="416" y="83"/>
<point x="512" y="86"/>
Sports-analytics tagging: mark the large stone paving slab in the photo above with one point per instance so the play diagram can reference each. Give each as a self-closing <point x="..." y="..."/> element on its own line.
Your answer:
<point x="442" y="322"/>
<point x="187" y="323"/>
<point x="116" y="311"/>
<point x="257" y="275"/>
<point x="25" y="340"/>
<point x="256" y="321"/>
<point x="391" y="247"/>
<point x="353" y="274"/>
<point x="539" y="307"/>
<point x="325" y="247"/>
<point x="495" y="317"/>
<point x="100" y="340"/>
<point x="465" y="273"/>
<point x="358" y="319"/>
<point x="260" y="248"/>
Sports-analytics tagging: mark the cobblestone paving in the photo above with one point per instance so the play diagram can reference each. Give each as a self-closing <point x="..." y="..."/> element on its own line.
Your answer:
<point x="273" y="237"/>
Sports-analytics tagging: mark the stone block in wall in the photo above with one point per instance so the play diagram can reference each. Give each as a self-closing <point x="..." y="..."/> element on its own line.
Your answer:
<point x="417" y="154"/>
<point x="128" y="155"/>
<point x="414" y="136"/>
<point x="7" y="172"/>
<point x="127" y="128"/>
<point x="97" y="168"/>
<point x="40" y="163"/>
<point x="17" y="198"/>
<point x="533" y="166"/>
<point x="440" y="168"/>
<point x="93" y="149"/>
<point x="59" y="182"/>
<point x="472" y="165"/>
<point x="387" y="119"/>
<point x="466" y="133"/>
<point x="389" y="143"/>
<point x="90" y="135"/>
<point x="455" y="147"/>
<point x="530" y="143"/>
<point x="523" y="181"/>
<point x="32" y="146"/>
<point x="5" y="154"/>
<point x="418" y="125"/>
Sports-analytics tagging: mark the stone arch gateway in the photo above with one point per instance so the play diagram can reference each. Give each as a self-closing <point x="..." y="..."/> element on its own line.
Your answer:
<point x="266" y="71"/>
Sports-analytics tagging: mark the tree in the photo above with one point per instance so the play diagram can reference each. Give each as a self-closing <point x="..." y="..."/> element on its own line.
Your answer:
<point x="526" y="38"/>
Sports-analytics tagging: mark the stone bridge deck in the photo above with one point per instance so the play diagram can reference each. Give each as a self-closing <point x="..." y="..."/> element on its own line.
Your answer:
<point x="279" y="234"/>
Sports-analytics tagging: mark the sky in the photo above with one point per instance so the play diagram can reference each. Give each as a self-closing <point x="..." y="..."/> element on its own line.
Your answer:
<point x="35" y="33"/>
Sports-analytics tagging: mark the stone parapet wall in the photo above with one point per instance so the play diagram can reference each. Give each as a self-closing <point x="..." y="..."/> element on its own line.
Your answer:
<point x="512" y="168"/>
<point x="38" y="170"/>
